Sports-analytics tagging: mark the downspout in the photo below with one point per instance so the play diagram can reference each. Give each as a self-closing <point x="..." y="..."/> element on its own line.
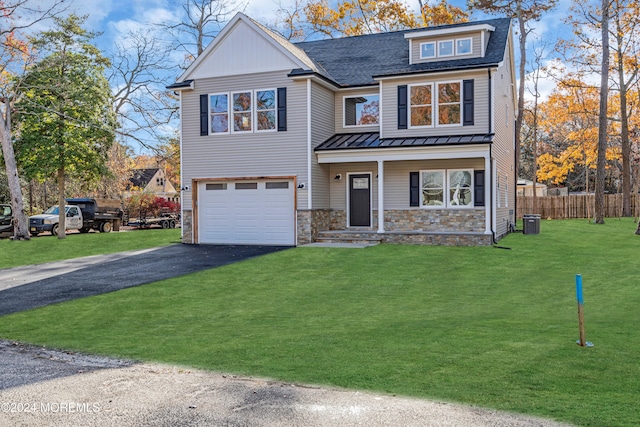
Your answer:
<point x="492" y="211"/>
<point x="309" y="149"/>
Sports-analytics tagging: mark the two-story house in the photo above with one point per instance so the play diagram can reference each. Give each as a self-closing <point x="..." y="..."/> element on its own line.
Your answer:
<point x="405" y="136"/>
<point x="154" y="181"/>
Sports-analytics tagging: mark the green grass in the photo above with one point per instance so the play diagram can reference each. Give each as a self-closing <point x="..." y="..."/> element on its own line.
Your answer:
<point x="484" y="326"/>
<point x="49" y="248"/>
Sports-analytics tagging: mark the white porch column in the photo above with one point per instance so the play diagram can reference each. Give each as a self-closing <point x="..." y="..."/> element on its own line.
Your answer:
<point x="380" y="196"/>
<point x="488" y="201"/>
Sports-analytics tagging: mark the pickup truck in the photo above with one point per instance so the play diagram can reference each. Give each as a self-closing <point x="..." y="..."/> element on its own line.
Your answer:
<point x="82" y="214"/>
<point x="6" y="220"/>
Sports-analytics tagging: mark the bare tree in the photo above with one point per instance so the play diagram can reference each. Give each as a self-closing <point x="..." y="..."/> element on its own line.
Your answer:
<point x="525" y="12"/>
<point x="202" y="21"/>
<point x="138" y="74"/>
<point x="14" y="53"/>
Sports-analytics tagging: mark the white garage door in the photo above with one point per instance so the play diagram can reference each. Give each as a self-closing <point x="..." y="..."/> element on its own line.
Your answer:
<point x="259" y="212"/>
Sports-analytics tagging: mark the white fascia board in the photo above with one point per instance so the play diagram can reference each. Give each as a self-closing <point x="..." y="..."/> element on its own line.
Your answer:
<point x="450" y="31"/>
<point x="404" y="153"/>
<point x="435" y="73"/>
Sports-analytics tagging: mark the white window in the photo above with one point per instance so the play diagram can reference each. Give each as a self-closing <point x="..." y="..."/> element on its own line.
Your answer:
<point x="449" y="104"/>
<point x="421" y="105"/>
<point x="499" y="191"/>
<point x="432" y="188"/>
<point x="242" y="112"/>
<point x="219" y="113"/>
<point x="460" y="188"/>
<point x="427" y="50"/>
<point x="446" y="188"/>
<point x="361" y="110"/>
<point x="266" y="110"/>
<point x="463" y="46"/>
<point x="445" y="48"/>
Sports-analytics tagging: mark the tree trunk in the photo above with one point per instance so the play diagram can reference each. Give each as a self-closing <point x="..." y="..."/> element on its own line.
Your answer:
<point x="20" y="222"/>
<point x="624" y="127"/>
<point x="602" y="118"/>
<point x="62" y="214"/>
<point x="521" y="83"/>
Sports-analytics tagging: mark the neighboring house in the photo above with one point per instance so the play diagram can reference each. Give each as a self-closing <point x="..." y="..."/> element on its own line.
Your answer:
<point x="525" y="188"/>
<point x="153" y="180"/>
<point x="287" y="144"/>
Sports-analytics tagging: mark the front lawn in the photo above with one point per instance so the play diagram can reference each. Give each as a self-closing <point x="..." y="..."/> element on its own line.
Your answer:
<point x="492" y="327"/>
<point x="48" y="248"/>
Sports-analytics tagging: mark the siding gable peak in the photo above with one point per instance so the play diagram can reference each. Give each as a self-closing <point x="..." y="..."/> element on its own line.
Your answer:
<point x="262" y="51"/>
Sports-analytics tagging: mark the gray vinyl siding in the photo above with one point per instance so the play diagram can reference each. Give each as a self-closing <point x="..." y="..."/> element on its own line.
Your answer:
<point x="339" y="187"/>
<point x="251" y="154"/>
<point x="503" y="151"/>
<point x="476" y="46"/>
<point x="339" y="109"/>
<point x="481" y="106"/>
<point x="323" y="117"/>
<point x="396" y="179"/>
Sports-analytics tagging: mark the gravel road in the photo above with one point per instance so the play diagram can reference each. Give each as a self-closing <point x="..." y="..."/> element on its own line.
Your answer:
<point x="43" y="387"/>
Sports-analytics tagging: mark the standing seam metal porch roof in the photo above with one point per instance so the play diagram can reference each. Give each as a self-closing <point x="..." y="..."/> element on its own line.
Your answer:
<point x="350" y="141"/>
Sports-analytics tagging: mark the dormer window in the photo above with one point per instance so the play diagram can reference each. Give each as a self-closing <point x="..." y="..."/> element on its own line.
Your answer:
<point x="361" y="110"/>
<point x="463" y="46"/>
<point x="427" y="50"/>
<point x="445" y="48"/>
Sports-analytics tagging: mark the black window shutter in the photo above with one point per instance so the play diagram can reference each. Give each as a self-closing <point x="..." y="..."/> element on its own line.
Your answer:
<point x="414" y="189"/>
<point x="467" y="102"/>
<point x="204" y="115"/>
<point x="478" y="188"/>
<point x="282" y="109"/>
<point x="402" y="107"/>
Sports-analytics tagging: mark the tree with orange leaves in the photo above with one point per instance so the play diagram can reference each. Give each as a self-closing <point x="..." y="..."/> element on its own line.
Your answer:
<point x="442" y="13"/>
<point x="569" y="120"/>
<point x="354" y="18"/>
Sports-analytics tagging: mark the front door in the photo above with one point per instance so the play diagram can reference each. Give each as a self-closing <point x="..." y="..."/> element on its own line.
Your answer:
<point x="360" y="200"/>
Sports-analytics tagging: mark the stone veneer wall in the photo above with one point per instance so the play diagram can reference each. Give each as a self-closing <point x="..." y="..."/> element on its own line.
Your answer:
<point x="309" y="223"/>
<point x="187" y="226"/>
<point x="428" y="220"/>
<point x="435" y="220"/>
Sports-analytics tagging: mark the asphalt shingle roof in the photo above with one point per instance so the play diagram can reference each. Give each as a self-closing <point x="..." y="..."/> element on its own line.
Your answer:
<point x="356" y="61"/>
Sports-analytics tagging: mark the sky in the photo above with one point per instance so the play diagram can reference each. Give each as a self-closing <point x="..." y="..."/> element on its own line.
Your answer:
<point x="114" y="17"/>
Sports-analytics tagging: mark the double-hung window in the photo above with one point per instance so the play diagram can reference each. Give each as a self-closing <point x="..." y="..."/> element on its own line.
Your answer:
<point x="219" y="113"/>
<point x="242" y="112"/>
<point x="446" y="188"/>
<point x="421" y="105"/>
<point x="266" y="109"/>
<point x="449" y="104"/>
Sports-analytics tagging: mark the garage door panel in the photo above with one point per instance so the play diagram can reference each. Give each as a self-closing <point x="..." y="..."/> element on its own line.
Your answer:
<point x="247" y="212"/>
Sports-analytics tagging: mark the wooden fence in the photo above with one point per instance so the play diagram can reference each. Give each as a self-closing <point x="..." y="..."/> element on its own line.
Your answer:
<point x="575" y="206"/>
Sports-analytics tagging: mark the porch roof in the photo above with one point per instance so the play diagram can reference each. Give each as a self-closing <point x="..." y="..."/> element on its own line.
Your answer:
<point x="350" y="141"/>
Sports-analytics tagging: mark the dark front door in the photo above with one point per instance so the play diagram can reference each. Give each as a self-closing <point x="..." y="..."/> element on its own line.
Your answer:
<point x="360" y="200"/>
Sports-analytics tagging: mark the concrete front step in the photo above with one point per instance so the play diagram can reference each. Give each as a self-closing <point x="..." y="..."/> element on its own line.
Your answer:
<point x="341" y="236"/>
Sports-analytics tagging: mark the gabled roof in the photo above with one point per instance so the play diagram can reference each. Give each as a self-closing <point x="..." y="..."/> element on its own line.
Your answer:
<point x="141" y="177"/>
<point x="358" y="60"/>
<point x="350" y="141"/>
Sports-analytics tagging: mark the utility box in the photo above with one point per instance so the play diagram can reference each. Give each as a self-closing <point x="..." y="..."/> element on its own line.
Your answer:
<point x="531" y="224"/>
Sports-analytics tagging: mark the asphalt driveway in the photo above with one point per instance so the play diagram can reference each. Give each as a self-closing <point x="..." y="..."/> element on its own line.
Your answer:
<point x="24" y="288"/>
